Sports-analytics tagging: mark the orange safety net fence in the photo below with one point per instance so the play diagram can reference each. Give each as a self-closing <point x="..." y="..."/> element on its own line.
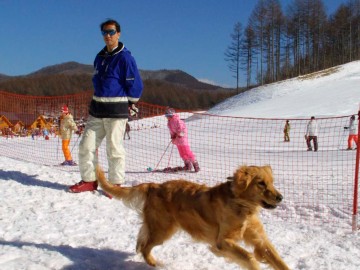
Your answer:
<point x="317" y="186"/>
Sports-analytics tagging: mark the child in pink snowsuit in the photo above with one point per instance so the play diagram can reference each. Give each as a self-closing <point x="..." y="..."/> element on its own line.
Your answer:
<point x="178" y="132"/>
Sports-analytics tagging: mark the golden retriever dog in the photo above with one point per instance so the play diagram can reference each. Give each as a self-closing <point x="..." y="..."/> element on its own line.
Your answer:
<point x="220" y="216"/>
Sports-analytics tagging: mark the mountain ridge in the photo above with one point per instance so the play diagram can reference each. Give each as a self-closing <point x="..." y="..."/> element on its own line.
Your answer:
<point x="162" y="87"/>
<point x="177" y="77"/>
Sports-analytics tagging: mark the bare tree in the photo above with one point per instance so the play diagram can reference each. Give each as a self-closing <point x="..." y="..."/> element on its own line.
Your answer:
<point x="355" y="29"/>
<point x="338" y="33"/>
<point x="302" y="40"/>
<point x="273" y="27"/>
<point x="257" y="22"/>
<point x="233" y="53"/>
<point x="307" y="20"/>
<point x="249" y="43"/>
<point x="344" y="33"/>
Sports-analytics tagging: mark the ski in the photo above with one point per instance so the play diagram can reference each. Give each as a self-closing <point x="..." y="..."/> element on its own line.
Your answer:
<point x="168" y="170"/>
<point x="67" y="165"/>
<point x="64" y="166"/>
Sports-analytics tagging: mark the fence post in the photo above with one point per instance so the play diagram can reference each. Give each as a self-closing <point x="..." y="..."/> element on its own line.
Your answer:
<point x="356" y="180"/>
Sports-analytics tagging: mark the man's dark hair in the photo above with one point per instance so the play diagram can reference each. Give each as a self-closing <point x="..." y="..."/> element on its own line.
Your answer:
<point x="111" y="22"/>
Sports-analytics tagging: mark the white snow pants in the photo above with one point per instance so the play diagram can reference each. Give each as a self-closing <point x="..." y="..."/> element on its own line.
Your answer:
<point x="96" y="130"/>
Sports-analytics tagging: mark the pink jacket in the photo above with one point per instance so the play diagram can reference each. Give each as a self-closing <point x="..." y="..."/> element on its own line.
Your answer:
<point x="178" y="130"/>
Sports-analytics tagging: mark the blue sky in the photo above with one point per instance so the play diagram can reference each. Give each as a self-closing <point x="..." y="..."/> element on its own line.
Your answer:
<point x="190" y="35"/>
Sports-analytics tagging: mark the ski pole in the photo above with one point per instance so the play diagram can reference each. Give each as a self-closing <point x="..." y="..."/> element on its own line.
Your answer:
<point x="57" y="149"/>
<point x="342" y="138"/>
<point x="162" y="156"/>
<point x="172" y="147"/>
<point x="74" y="144"/>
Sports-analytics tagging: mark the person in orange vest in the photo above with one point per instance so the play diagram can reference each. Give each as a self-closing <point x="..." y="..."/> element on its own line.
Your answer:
<point x="67" y="126"/>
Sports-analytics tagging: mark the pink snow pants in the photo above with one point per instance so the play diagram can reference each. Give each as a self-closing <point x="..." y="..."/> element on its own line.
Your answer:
<point x="185" y="152"/>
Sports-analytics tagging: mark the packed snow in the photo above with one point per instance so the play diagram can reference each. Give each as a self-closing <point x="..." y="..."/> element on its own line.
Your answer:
<point x="331" y="92"/>
<point x="42" y="226"/>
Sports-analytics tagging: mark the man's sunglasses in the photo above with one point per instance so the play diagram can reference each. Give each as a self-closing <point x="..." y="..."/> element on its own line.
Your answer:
<point x="111" y="32"/>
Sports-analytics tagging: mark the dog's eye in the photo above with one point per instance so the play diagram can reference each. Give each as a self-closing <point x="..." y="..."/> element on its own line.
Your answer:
<point x="262" y="184"/>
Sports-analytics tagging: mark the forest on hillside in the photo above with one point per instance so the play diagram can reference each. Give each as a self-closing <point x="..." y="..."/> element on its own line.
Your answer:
<point x="155" y="91"/>
<point x="284" y="42"/>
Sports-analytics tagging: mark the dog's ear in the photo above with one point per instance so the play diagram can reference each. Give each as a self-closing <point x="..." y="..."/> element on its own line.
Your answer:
<point x="241" y="179"/>
<point x="268" y="172"/>
<point x="268" y="169"/>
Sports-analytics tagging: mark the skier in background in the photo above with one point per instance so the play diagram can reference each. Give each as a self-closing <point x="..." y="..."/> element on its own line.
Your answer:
<point x="178" y="132"/>
<point x="287" y="131"/>
<point x="311" y="134"/>
<point x="353" y="136"/>
<point x="127" y="131"/>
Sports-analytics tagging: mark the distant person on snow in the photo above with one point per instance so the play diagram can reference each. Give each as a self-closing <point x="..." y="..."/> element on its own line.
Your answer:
<point x="287" y="131"/>
<point x="311" y="134"/>
<point x="353" y="136"/>
<point x="46" y="134"/>
<point x="178" y="133"/>
<point x="67" y="125"/>
<point x="127" y="131"/>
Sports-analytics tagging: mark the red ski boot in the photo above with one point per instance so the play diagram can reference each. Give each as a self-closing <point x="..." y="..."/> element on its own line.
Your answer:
<point x="83" y="186"/>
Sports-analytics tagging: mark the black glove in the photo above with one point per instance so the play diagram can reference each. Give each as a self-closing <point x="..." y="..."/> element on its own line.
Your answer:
<point x="133" y="110"/>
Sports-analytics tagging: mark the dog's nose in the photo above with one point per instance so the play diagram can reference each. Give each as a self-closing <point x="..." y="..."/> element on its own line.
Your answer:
<point x="279" y="198"/>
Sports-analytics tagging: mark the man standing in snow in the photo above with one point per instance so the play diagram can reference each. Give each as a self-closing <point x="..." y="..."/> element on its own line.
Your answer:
<point x="352" y="133"/>
<point x="118" y="87"/>
<point x="311" y="134"/>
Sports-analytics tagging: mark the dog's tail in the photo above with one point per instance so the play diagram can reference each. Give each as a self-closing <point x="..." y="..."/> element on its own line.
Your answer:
<point x="133" y="197"/>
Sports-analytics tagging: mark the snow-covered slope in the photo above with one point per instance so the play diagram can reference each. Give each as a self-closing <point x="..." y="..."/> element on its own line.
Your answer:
<point x="332" y="92"/>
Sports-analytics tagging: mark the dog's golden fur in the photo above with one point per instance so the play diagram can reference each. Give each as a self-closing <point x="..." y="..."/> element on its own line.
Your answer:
<point x="220" y="216"/>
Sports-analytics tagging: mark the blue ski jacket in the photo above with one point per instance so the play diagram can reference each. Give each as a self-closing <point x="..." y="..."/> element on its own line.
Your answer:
<point x="117" y="83"/>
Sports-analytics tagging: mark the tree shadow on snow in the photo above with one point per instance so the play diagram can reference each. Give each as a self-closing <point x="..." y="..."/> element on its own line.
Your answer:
<point x="29" y="180"/>
<point x="85" y="258"/>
